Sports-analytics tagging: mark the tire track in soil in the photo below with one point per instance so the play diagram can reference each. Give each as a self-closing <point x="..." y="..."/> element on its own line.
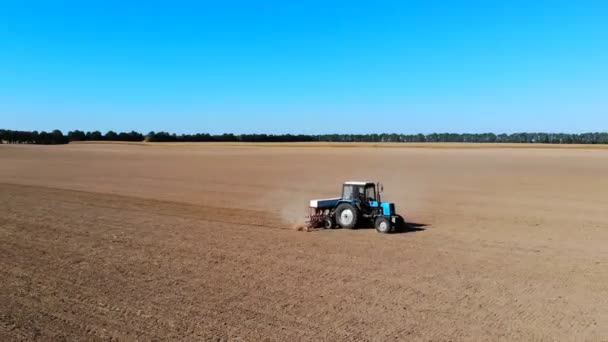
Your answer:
<point x="243" y="217"/>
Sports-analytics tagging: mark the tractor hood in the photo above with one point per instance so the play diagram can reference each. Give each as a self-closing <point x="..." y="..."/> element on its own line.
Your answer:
<point x="388" y="208"/>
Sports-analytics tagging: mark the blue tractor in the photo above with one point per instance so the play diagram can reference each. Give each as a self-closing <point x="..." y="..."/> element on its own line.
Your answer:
<point x="360" y="203"/>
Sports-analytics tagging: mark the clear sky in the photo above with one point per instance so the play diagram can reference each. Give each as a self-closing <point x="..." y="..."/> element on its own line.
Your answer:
<point x="304" y="66"/>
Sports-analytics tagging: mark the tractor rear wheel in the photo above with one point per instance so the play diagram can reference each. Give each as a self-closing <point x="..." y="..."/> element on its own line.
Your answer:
<point x="346" y="215"/>
<point x="383" y="225"/>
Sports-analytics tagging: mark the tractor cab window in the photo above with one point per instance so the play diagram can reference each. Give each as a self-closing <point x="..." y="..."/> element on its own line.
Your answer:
<point x="348" y="192"/>
<point x="353" y="192"/>
<point x="370" y="193"/>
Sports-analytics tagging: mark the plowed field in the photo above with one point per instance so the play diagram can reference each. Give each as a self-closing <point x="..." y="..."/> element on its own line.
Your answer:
<point x="197" y="243"/>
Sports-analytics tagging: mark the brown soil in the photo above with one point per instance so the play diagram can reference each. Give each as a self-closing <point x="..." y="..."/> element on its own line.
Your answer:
<point x="198" y="243"/>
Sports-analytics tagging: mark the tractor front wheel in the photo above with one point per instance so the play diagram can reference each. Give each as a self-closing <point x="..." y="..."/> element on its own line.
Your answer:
<point x="383" y="225"/>
<point x="346" y="215"/>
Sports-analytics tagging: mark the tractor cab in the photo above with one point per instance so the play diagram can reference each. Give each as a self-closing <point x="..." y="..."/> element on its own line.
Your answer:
<point x="362" y="192"/>
<point x="366" y="197"/>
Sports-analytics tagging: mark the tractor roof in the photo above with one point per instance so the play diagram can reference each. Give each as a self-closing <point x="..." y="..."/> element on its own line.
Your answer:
<point x="357" y="183"/>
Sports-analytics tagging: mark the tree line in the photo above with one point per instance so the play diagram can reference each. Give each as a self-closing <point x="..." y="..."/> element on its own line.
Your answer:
<point x="57" y="137"/>
<point x="25" y="137"/>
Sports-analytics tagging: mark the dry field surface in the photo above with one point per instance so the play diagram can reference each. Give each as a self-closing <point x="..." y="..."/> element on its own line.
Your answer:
<point x="129" y="242"/>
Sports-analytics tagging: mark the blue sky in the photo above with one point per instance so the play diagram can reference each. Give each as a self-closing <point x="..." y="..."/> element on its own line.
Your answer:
<point x="304" y="66"/>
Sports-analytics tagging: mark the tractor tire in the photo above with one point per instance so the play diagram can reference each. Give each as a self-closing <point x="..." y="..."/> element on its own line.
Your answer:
<point x="329" y="223"/>
<point x="347" y="215"/>
<point x="383" y="225"/>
